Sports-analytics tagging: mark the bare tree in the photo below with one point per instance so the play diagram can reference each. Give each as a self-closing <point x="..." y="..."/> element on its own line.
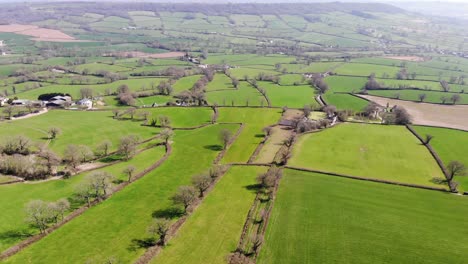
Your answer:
<point x="72" y="156"/>
<point x="127" y="146"/>
<point x="235" y="82"/>
<point x="166" y="134"/>
<point x="202" y="183"/>
<point x="164" y="121"/>
<point x="103" y="147"/>
<point x="268" y="131"/>
<point x="58" y="209"/>
<point x="116" y="113"/>
<point x="185" y="196"/>
<point x="455" y="98"/>
<point x="330" y="110"/>
<point x="455" y="168"/>
<point x="129" y="170"/>
<point x="428" y="139"/>
<point x="422" y="97"/>
<point x="86" y="153"/>
<point x="38" y="214"/>
<point x="50" y="159"/>
<point x="85" y="191"/>
<point x="160" y="228"/>
<point x="225" y="136"/>
<point x="100" y="182"/>
<point x="54" y="132"/>
<point x="9" y="111"/>
<point x="86" y="92"/>
<point x="306" y="111"/>
<point x="443" y="99"/>
<point x="217" y="170"/>
<point x="257" y="241"/>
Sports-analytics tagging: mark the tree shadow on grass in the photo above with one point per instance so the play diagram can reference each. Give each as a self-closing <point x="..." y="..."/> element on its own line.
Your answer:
<point x="214" y="147"/>
<point x="14" y="235"/>
<point x="169" y="213"/>
<point x="141" y="243"/>
<point x="259" y="135"/>
<point x="253" y="187"/>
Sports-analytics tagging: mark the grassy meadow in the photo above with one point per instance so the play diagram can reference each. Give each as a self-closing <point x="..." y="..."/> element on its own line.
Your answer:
<point x="375" y="151"/>
<point x="315" y="216"/>
<point x="213" y="230"/>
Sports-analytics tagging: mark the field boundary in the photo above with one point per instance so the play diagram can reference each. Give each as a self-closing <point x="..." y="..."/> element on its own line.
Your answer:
<point x="153" y="251"/>
<point x="431" y="150"/>
<point x="369" y="179"/>
<point x="24" y="244"/>
<point x="231" y="141"/>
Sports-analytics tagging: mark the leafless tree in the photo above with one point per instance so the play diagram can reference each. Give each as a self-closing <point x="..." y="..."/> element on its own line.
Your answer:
<point x="127" y="146"/>
<point x="129" y="170"/>
<point x="164" y="121"/>
<point x="50" y="159"/>
<point x="428" y="139"/>
<point x="443" y="99"/>
<point x="202" y="183"/>
<point x="54" y="132"/>
<point x="455" y="168"/>
<point x="9" y="111"/>
<point x="101" y="183"/>
<point x="86" y="153"/>
<point x="86" y="92"/>
<point x="85" y="191"/>
<point x="185" y="196"/>
<point x="422" y="97"/>
<point x="306" y="111"/>
<point x="38" y="214"/>
<point x="160" y="228"/>
<point x="455" y="98"/>
<point x="268" y="131"/>
<point x="166" y="134"/>
<point x="225" y="136"/>
<point x="72" y="156"/>
<point x="103" y="147"/>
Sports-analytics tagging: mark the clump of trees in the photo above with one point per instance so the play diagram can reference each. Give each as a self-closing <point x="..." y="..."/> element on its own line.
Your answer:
<point x="42" y="214"/>
<point x="125" y="96"/>
<point x="397" y="116"/>
<point x="372" y="83"/>
<point x="96" y="186"/>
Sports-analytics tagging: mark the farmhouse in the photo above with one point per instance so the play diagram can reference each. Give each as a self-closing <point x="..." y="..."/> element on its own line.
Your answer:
<point x="19" y="102"/>
<point x="59" y="101"/>
<point x="85" y="103"/>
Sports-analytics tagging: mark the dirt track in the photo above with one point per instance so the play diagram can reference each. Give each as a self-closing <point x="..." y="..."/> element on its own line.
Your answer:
<point x="39" y="34"/>
<point x="139" y="54"/>
<point x="406" y="58"/>
<point x="451" y="116"/>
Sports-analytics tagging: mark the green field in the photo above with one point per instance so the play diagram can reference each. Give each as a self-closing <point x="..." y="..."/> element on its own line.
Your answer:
<point x="448" y="145"/>
<point x="374" y="151"/>
<point x="181" y="116"/>
<point x="255" y="120"/>
<point x="16" y="196"/>
<point x="78" y="127"/>
<point x="126" y="215"/>
<point x="290" y="96"/>
<point x="413" y="95"/>
<point x="316" y="216"/>
<point x="215" y="222"/>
